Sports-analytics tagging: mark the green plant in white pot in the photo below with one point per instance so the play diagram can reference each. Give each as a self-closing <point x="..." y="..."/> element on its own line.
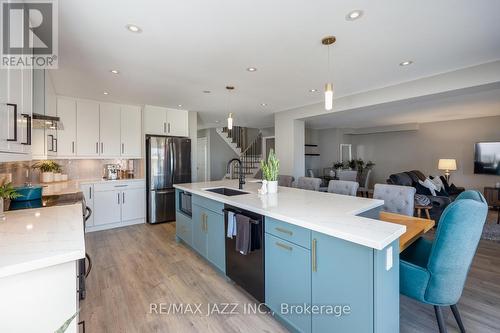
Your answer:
<point x="7" y="193"/>
<point x="47" y="170"/>
<point x="270" y="172"/>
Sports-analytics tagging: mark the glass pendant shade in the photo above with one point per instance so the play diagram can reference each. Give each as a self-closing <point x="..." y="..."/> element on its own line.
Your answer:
<point x="230" y="122"/>
<point x="328" y="96"/>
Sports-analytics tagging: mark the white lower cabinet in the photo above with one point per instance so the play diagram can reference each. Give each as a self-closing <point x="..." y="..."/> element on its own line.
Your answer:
<point x="116" y="204"/>
<point x="88" y="193"/>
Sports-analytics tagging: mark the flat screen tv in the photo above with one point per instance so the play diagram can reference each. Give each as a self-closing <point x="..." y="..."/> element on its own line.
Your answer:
<point x="487" y="158"/>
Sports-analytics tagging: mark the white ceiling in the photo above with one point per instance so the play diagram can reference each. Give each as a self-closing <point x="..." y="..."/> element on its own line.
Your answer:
<point x="483" y="101"/>
<point x="193" y="45"/>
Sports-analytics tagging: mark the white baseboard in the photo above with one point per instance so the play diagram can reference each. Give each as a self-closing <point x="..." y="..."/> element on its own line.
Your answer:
<point x="114" y="225"/>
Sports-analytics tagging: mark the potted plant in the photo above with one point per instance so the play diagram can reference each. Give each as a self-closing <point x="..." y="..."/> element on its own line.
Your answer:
<point x="47" y="169"/>
<point x="57" y="172"/>
<point x="7" y="193"/>
<point x="270" y="172"/>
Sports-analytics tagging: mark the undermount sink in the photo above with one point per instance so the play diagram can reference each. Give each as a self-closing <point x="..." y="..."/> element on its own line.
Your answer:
<point x="226" y="191"/>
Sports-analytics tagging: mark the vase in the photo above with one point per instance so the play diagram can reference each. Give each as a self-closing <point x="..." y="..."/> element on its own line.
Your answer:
<point x="263" y="189"/>
<point x="57" y="177"/>
<point x="6" y="204"/>
<point x="47" y="177"/>
<point x="272" y="186"/>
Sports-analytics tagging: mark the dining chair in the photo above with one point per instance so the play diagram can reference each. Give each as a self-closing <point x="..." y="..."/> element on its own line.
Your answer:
<point x="309" y="183"/>
<point x="397" y="199"/>
<point x="284" y="180"/>
<point x="350" y="175"/>
<point x="434" y="272"/>
<point x="344" y="187"/>
<point x="365" y="182"/>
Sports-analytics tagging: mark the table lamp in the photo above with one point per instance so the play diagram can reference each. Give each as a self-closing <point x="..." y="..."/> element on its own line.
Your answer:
<point x="447" y="164"/>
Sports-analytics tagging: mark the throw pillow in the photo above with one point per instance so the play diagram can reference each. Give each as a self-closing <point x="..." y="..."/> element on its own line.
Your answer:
<point x="429" y="184"/>
<point x="438" y="183"/>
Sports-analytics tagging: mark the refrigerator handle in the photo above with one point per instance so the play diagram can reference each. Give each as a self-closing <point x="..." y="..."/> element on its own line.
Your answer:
<point x="172" y="154"/>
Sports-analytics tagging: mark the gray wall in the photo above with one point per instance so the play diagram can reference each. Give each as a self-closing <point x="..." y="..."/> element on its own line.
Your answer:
<point x="409" y="150"/>
<point x="219" y="153"/>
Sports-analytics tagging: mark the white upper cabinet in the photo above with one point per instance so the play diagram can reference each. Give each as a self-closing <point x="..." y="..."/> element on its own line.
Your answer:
<point x="16" y="96"/>
<point x="177" y="122"/>
<point x="65" y="145"/>
<point x="164" y="121"/>
<point x="155" y="120"/>
<point x="131" y="142"/>
<point x="87" y="128"/>
<point x="110" y="143"/>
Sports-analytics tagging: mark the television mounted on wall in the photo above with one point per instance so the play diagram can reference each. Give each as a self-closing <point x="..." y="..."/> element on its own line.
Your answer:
<point x="487" y="158"/>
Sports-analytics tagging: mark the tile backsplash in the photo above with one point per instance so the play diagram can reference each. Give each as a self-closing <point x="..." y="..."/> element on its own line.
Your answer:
<point x="75" y="169"/>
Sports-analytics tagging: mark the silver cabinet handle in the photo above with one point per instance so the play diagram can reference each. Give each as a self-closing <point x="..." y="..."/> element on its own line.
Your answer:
<point x="313" y="254"/>
<point x="123" y="148"/>
<point x="164" y="127"/>
<point x="102" y="147"/>
<point x="73" y="147"/>
<point x="124" y="185"/>
<point x="97" y="147"/>
<point x="286" y="247"/>
<point x="168" y="128"/>
<point x="118" y="198"/>
<point x="123" y="197"/>
<point x="90" y="192"/>
<point x="285" y="231"/>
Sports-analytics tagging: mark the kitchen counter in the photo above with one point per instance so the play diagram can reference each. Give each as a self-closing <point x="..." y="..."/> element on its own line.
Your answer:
<point x="32" y="239"/>
<point x="73" y="186"/>
<point x="331" y="214"/>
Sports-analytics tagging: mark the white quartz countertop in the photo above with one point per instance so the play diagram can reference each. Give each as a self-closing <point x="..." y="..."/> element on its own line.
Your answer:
<point x="37" y="238"/>
<point x="73" y="186"/>
<point x="331" y="214"/>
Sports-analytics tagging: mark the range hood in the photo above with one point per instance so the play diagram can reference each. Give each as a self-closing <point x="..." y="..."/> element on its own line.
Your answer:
<point x="41" y="121"/>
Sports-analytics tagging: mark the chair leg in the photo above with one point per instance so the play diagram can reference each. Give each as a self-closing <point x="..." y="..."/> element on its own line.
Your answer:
<point x="440" y="319"/>
<point x="456" y="314"/>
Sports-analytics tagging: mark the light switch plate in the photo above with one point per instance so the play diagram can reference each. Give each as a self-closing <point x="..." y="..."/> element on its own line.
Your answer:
<point x="388" y="258"/>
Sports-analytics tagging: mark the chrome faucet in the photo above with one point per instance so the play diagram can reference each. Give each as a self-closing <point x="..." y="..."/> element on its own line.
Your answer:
<point x="242" y="175"/>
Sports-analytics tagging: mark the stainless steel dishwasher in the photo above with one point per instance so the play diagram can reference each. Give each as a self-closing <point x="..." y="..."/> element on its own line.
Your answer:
<point x="246" y="270"/>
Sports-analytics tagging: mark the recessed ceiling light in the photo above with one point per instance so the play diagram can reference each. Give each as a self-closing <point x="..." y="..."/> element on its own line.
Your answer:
<point x="115" y="71"/>
<point x="313" y="90"/>
<point x="263" y="104"/>
<point x="206" y="91"/>
<point x="217" y="121"/>
<point x="406" y="63"/>
<point x="105" y="93"/>
<point x="133" y="28"/>
<point x="251" y="69"/>
<point x="354" y="15"/>
<point x="179" y="105"/>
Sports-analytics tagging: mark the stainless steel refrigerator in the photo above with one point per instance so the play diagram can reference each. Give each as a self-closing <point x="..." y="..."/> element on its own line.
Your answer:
<point x="168" y="162"/>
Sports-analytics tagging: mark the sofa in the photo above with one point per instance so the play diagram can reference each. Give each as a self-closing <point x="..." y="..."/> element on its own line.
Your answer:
<point x="438" y="201"/>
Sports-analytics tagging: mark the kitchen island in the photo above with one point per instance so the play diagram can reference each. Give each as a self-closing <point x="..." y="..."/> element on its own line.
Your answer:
<point x="329" y="265"/>
<point x="39" y="250"/>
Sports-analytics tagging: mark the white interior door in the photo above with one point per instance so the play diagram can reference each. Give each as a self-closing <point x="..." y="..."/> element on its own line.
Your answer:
<point x="109" y="115"/>
<point x="87" y="128"/>
<point x="202" y="160"/>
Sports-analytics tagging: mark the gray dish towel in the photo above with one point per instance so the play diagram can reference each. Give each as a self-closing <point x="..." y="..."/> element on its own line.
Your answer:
<point x="243" y="234"/>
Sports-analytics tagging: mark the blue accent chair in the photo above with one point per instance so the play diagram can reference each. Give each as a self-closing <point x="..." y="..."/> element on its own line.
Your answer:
<point x="434" y="272"/>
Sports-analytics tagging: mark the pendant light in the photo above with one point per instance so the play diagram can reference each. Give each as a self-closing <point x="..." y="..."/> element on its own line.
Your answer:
<point x="230" y="118"/>
<point x="327" y="41"/>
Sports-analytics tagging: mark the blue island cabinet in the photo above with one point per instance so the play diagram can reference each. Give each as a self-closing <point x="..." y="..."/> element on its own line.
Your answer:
<point x="319" y="283"/>
<point x="208" y="231"/>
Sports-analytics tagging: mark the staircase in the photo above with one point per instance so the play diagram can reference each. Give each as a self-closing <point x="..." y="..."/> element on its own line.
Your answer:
<point x="250" y="153"/>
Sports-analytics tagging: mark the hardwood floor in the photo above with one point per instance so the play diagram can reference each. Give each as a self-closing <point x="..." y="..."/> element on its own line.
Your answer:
<point x="139" y="265"/>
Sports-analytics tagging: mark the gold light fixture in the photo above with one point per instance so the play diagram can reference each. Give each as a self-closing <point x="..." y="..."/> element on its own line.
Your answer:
<point x="327" y="41"/>
<point x="230" y="118"/>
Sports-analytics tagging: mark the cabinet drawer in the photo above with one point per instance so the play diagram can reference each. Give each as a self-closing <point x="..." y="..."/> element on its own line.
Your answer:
<point x="116" y="185"/>
<point x="289" y="232"/>
<point x="183" y="227"/>
<point x="212" y="205"/>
